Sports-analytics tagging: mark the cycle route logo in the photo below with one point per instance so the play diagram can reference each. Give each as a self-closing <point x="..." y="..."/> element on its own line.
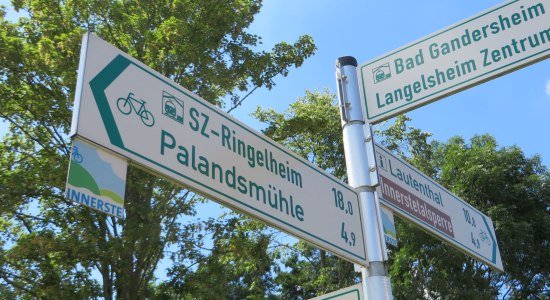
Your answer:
<point x="97" y="179"/>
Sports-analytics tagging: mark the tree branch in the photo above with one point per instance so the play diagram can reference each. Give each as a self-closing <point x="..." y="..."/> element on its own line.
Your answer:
<point x="235" y="105"/>
<point x="4" y="276"/>
<point x="26" y="133"/>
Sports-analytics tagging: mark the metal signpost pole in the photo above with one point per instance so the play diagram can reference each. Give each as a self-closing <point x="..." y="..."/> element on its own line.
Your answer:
<point x="376" y="281"/>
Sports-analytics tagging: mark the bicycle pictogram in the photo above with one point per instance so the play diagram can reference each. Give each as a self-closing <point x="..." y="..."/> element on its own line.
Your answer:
<point x="76" y="157"/>
<point x="128" y="104"/>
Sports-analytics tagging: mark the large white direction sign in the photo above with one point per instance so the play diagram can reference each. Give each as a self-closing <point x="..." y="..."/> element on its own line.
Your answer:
<point x="130" y="109"/>
<point x="495" y="42"/>
<point x="423" y="201"/>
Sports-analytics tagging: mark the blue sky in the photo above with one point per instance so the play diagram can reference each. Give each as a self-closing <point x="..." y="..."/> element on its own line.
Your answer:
<point x="514" y="108"/>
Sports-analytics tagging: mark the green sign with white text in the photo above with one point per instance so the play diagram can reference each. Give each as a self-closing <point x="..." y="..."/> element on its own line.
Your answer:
<point x="493" y="43"/>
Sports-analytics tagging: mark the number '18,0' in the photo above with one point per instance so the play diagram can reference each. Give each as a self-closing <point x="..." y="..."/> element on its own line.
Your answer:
<point x="339" y="202"/>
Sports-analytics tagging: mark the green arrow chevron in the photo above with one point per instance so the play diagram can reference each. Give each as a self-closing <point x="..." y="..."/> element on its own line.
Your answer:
<point x="98" y="85"/>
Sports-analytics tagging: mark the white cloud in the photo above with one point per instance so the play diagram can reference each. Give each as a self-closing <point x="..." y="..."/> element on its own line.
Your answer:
<point x="117" y="164"/>
<point x="548" y="87"/>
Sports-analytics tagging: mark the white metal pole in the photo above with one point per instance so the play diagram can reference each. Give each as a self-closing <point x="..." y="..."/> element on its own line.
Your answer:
<point x="376" y="281"/>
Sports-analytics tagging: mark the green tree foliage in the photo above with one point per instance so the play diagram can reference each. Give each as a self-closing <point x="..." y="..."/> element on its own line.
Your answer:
<point x="308" y="272"/>
<point x="513" y="190"/>
<point x="48" y="246"/>
<point x="310" y="127"/>
<point x="238" y="264"/>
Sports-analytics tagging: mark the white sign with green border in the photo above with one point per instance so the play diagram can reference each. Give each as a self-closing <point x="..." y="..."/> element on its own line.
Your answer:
<point x="354" y="292"/>
<point x="497" y="41"/>
<point x="134" y="111"/>
<point x="419" y="199"/>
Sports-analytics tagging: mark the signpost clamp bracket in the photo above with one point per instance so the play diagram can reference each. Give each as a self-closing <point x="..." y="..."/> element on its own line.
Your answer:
<point x="369" y="144"/>
<point x="377" y="268"/>
<point x="366" y="188"/>
<point x="343" y="99"/>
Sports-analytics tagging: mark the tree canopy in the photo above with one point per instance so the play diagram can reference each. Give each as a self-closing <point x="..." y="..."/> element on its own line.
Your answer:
<point x="51" y="248"/>
<point x="512" y="189"/>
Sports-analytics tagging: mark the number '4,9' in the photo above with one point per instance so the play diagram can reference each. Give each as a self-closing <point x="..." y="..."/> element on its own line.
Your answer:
<point x="344" y="236"/>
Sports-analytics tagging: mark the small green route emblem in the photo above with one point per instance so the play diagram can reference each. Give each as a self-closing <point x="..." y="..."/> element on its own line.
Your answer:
<point x="172" y="107"/>
<point x="381" y="73"/>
